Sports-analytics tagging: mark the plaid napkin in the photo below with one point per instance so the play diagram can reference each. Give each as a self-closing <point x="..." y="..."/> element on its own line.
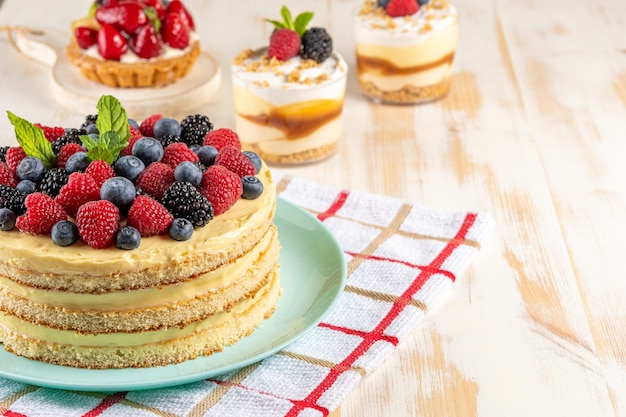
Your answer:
<point x="402" y="259"/>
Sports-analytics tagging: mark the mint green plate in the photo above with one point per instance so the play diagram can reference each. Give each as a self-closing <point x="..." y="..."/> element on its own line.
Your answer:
<point x="313" y="275"/>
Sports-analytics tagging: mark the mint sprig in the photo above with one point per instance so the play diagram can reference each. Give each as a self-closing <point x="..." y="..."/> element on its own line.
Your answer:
<point x="299" y="24"/>
<point x="32" y="140"/>
<point x="112" y="123"/>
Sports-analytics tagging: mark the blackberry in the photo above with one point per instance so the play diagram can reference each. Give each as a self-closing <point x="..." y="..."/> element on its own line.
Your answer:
<point x="194" y="128"/>
<point x="184" y="200"/>
<point x="52" y="181"/>
<point x="168" y="140"/>
<point x="3" y="153"/>
<point x="12" y="199"/>
<point x="316" y="45"/>
<point x="89" y="120"/>
<point x="70" y="136"/>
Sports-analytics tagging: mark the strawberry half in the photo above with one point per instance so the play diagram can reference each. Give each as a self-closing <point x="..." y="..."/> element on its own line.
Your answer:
<point x="177" y="6"/>
<point x="146" y="43"/>
<point x="128" y="16"/>
<point x="111" y="43"/>
<point x="174" y="32"/>
<point x="85" y="37"/>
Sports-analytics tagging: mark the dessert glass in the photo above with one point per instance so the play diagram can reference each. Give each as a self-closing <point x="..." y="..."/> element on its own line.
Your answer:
<point x="405" y="60"/>
<point x="288" y="112"/>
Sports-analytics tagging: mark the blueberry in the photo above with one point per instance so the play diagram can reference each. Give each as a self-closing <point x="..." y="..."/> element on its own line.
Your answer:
<point x="422" y="2"/>
<point x="166" y="126"/>
<point x="94" y="136"/>
<point x="119" y="191"/>
<point x="149" y="150"/>
<point x="129" y="166"/>
<point x="64" y="233"/>
<point x="181" y="229"/>
<point x="252" y="187"/>
<point x="187" y="171"/>
<point x="133" y="123"/>
<point x="30" y="168"/>
<point x="92" y="129"/>
<point x="195" y="147"/>
<point x="128" y="238"/>
<point x="7" y="219"/>
<point x="255" y="159"/>
<point x="78" y="162"/>
<point x="382" y="3"/>
<point x="207" y="155"/>
<point x="27" y="186"/>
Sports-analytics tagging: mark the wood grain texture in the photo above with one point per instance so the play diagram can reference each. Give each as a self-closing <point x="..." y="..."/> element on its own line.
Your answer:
<point x="532" y="132"/>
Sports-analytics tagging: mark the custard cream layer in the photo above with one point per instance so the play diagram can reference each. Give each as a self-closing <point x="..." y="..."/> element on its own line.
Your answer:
<point x="121" y="301"/>
<point x="40" y="256"/>
<point x="264" y="298"/>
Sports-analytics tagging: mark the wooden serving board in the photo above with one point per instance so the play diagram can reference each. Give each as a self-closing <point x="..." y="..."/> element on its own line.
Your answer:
<point x="77" y="93"/>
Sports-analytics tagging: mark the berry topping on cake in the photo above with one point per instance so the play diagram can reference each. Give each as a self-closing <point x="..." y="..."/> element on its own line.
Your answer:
<point x="128" y="16"/>
<point x="235" y="161"/>
<point x="149" y="216"/>
<point x="221" y="138"/>
<point x="42" y="213"/>
<point x="177" y="6"/>
<point x="399" y="8"/>
<point x="146" y="43"/>
<point x="85" y="37"/>
<point x="221" y="187"/>
<point x="98" y="222"/>
<point x="111" y="43"/>
<point x="89" y="191"/>
<point x="194" y="128"/>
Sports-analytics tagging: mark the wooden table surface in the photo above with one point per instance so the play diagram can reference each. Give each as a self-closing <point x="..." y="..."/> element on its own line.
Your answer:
<point x="533" y="132"/>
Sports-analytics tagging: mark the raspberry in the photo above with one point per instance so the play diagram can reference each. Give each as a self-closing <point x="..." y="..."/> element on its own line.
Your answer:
<point x="398" y="8"/>
<point x="14" y="155"/>
<point x="51" y="133"/>
<point x="235" y="161"/>
<point x="100" y="171"/>
<point x="147" y="126"/>
<point x="221" y="187"/>
<point x="98" y="222"/>
<point x="149" y="216"/>
<point x="7" y="175"/>
<point x="176" y="153"/>
<point x="155" y="179"/>
<point x="80" y="189"/>
<point x="67" y="151"/>
<point x="220" y="138"/>
<point x="135" y="135"/>
<point x="42" y="212"/>
<point x="284" y="44"/>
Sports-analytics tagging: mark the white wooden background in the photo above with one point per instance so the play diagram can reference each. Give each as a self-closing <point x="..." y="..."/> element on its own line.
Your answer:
<point x="533" y="132"/>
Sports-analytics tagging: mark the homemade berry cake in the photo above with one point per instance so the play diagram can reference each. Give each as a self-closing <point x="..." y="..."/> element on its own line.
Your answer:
<point x="133" y="246"/>
<point x="138" y="43"/>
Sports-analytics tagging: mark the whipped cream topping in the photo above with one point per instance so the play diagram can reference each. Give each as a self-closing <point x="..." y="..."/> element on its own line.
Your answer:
<point x="253" y="67"/>
<point x="372" y="24"/>
<point x="130" y="57"/>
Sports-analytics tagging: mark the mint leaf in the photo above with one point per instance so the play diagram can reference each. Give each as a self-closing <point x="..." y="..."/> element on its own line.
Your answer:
<point x="286" y="15"/>
<point x="112" y="116"/>
<point x="153" y="17"/>
<point x="32" y="140"/>
<point x="302" y="20"/>
<point x="276" y="23"/>
<point x="107" y="147"/>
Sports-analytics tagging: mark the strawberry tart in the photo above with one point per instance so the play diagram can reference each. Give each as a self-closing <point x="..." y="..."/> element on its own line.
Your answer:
<point x="133" y="245"/>
<point x="132" y="43"/>
<point x="289" y="94"/>
<point x="405" y="49"/>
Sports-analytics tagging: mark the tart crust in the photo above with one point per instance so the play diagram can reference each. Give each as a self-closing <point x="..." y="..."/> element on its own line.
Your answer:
<point x="153" y="73"/>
